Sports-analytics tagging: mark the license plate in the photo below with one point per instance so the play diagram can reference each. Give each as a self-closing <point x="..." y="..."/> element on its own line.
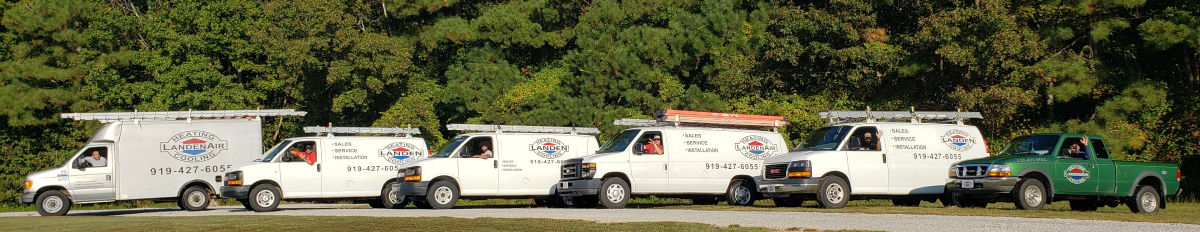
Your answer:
<point x="968" y="184"/>
<point x="770" y="188"/>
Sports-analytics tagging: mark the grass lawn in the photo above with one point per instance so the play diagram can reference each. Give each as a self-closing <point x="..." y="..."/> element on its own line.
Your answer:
<point x="312" y="223"/>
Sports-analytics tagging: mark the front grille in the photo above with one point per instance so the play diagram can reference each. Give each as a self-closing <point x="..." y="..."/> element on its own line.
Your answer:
<point x="775" y="171"/>
<point x="570" y="171"/>
<point x="972" y="170"/>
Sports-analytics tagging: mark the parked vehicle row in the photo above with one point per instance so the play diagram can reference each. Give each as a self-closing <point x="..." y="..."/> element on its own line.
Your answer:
<point x="192" y="157"/>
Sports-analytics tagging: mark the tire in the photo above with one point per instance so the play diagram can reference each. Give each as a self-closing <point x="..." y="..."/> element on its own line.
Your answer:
<point x="614" y="193"/>
<point x="421" y="204"/>
<point x="833" y="192"/>
<point x="1146" y="200"/>
<point x="586" y="202"/>
<point x="1030" y="195"/>
<point x="246" y="203"/>
<point x="389" y="200"/>
<point x="740" y="193"/>
<point x="705" y="201"/>
<point x="1083" y="205"/>
<point x="264" y="198"/>
<point x="906" y="202"/>
<point x="53" y="203"/>
<point x="442" y="195"/>
<point x="949" y="198"/>
<point x="788" y="202"/>
<point x="194" y="198"/>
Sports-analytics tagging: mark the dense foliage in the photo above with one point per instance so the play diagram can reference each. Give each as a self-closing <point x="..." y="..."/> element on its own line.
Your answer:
<point x="1125" y="69"/>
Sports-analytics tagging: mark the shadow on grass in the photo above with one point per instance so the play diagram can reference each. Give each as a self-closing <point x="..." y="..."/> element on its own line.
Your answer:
<point x="119" y="212"/>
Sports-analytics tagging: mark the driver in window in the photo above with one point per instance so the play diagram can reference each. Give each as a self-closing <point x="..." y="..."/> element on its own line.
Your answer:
<point x="485" y="153"/>
<point x="654" y="146"/>
<point x="95" y="160"/>
<point x="1079" y="150"/>
<point x="871" y="143"/>
<point x="308" y="155"/>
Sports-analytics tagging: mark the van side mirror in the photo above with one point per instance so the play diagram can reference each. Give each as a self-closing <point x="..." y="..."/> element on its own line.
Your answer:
<point x="287" y="157"/>
<point x="639" y="149"/>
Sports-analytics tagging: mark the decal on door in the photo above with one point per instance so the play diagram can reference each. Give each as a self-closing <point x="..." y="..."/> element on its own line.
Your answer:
<point x="958" y="140"/>
<point x="1076" y="174"/>
<point x="549" y="148"/>
<point x="756" y="147"/>
<point x="400" y="152"/>
<point x="194" y="146"/>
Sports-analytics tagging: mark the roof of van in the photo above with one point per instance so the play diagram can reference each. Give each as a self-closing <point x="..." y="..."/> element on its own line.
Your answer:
<point x="699" y="128"/>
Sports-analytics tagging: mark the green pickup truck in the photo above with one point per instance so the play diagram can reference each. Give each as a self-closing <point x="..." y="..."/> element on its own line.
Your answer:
<point x="1035" y="170"/>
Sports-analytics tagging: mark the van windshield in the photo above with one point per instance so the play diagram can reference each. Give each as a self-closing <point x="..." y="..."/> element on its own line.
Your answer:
<point x="267" y="157"/>
<point x="449" y="147"/>
<point x="619" y="142"/>
<point x="1031" y="145"/>
<point x="825" y="138"/>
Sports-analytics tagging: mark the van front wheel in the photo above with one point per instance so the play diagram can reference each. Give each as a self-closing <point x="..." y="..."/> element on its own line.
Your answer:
<point x="53" y="203"/>
<point x="194" y="198"/>
<point x="391" y="200"/>
<point x="833" y="192"/>
<point x="740" y="193"/>
<point x="614" y="193"/>
<point x="442" y="195"/>
<point x="264" y="198"/>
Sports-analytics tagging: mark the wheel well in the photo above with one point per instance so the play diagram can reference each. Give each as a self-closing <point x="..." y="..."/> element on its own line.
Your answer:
<point x="200" y="183"/>
<point x="843" y="176"/>
<point x="446" y="178"/>
<point x="1045" y="181"/>
<point x="266" y="182"/>
<point x="617" y="175"/>
<point x="49" y="188"/>
<point x="389" y="182"/>
<point x="741" y="177"/>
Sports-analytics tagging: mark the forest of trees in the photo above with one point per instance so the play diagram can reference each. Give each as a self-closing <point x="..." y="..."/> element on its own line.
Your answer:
<point x="1128" y="70"/>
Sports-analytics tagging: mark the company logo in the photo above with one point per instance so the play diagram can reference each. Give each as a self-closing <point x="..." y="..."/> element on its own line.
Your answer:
<point x="775" y="171"/>
<point x="958" y="140"/>
<point x="400" y="152"/>
<point x="193" y="146"/>
<point x="549" y="148"/>
<point x="1076" y="174"/>
<point x="756" y="147"/>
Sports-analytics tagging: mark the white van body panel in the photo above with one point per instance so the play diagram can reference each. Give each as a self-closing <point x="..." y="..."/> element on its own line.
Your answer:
<point x="346" y="166"/>
<point x="520" y="166"/>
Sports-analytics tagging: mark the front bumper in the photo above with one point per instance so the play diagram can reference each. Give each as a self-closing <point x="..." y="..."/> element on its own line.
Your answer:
<point x="582" y="187"/>
<point x="410" y="188"/>
<point x="235" y="192"/>
<point x="990" y="185"/>
<point x="28" y="197"/>
<point x="786" y="187"/>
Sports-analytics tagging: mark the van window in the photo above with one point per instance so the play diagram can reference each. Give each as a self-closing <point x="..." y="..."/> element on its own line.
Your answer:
<point x="825" y="138"/>
<point x="1031" y="145"/>
<point x="650" y="143"/>
<point x="267" y="157"/>
<point x="478" y="147"/>
<point x="619" y="142"/>
<point x="864" y="139"/>
<point x="94" y="157"/>
<point x="304" y="152"/>
<point x="449" y="147"/>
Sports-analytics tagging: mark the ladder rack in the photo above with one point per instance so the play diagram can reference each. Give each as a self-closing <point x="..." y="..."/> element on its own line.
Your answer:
<point x="679" y="118"/>
<point x="913" y="116"/>
<point x="535" y="129"/>
<point x="329" y="131"/>
<point x="136" y="116"/>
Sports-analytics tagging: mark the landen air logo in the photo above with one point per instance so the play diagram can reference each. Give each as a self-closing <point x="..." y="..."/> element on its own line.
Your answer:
<point x="1076" y="174"/>
<point x="958" y="140"/>
<point x="756" y="147"/>
<point x="400" y="152"/>
<point x="194" y="146"/>
<point x="549" y="148"/>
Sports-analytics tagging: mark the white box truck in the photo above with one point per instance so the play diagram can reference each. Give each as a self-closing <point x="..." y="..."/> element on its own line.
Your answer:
<point x="358" y="168"/>
<point x="501" y="162"/>
<point x="895" y="155"/>
<point x="150" y="156"/>
<point x="703" y="156"/>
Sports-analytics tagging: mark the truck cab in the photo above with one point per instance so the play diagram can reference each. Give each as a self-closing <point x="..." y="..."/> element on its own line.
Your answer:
<point x="1035" y="170"/>
<point x="328" y="167"/>
<point x="498" y="161"/>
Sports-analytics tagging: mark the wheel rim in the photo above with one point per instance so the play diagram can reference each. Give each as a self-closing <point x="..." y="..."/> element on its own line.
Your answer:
<point x="742" y="195"/>
<point x="52" y="204"/>
<point x="568" y="201"/>
<point x="1149" y="203"/>
<point x="391" y="197"/>
<point x="616" y="193"/>
<point x="834" y="193"/>
<point x="442" y="195"/>
<point x="1033" y="196"/>
<point x="265" y="198"/>
<point x="195" y="199"/>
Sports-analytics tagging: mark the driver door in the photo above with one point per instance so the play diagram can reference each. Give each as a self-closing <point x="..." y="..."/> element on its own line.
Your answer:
<point x="478" y="176"/>
<point x="297" y="177"/>
<point x="868" y="166"/>
<point x="92" y="184"/>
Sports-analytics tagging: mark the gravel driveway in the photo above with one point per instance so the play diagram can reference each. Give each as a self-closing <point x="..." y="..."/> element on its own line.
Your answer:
<point x="778" y="220"/>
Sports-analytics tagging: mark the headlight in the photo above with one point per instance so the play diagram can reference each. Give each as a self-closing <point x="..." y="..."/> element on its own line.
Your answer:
<point x="233" y="178"/>
<point x="412" y="174"/>
<point x="587" y="170"/>
<point x="953" y="171"/>
<point x="800" y="169"/>
<point x="999" y="170"/>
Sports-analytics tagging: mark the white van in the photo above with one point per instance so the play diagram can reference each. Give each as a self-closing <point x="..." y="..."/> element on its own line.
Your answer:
<point x="150" y="156"/>
<point x="505" y="162"/>
<point x="845" y="161"/>
<point x="327" y="168"/>
<point x="698" y="160"/>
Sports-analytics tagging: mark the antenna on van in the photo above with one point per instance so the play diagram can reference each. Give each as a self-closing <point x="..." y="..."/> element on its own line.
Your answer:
<point x="958" y="116"/>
